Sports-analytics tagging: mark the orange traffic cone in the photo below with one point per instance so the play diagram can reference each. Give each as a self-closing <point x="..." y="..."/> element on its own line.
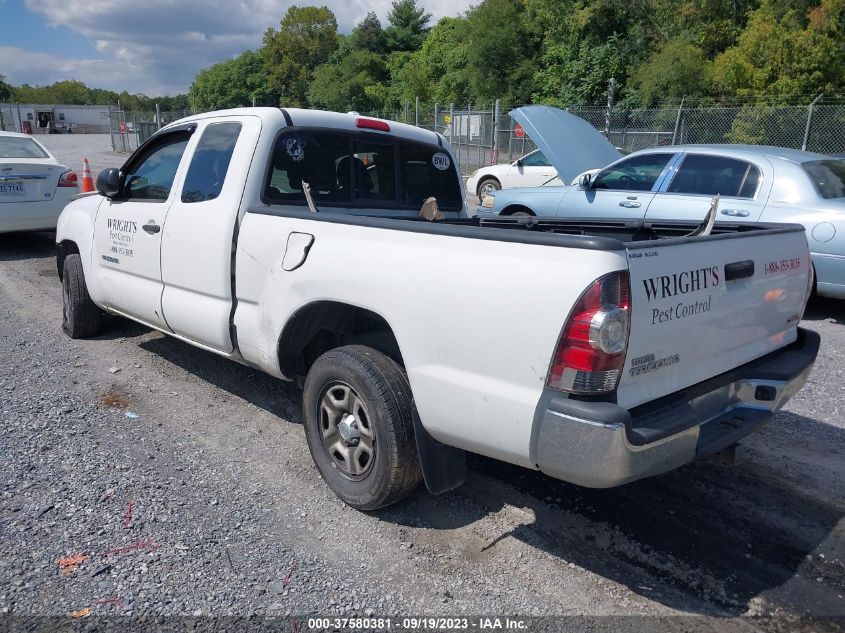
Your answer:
<point x="87" y="180"/>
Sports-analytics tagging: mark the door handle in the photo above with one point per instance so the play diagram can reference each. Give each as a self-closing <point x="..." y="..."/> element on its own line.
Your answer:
<point x="629" y="205"/>
<point x="151" y="228"/>
<point x="737" y="213"/>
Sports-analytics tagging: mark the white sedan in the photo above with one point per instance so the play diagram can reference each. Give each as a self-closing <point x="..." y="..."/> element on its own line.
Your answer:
<point x="532" y="170"/>
<point x="34" y="186"/>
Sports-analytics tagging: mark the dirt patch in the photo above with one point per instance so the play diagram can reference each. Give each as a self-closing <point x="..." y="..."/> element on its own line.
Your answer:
<point x="114" y="398"/>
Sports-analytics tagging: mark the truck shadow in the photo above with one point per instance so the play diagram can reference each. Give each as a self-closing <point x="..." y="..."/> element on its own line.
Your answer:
<point x="30" y="245"/>
<point x="823" y="308"/>
<point x="271" y="394"/>
<point x="705" y="539"/>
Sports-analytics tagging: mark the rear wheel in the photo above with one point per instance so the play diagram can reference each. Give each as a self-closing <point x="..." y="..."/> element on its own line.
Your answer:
<point x="358" y="412"/>
<point x="81" y="317"/>
<point x="487" y="187"/>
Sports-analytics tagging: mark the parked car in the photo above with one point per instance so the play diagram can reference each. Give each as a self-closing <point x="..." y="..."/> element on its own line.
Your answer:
<point x="34" y="186"/>
<point x="756" y="184"/>
<point x="638" y="357"/>
<point x="532" y="170"/>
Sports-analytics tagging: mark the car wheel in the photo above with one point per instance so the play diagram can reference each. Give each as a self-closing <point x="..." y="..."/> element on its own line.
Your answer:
<point x="487" y="187"/>
<point x="81" y="317"/>
<point x="358" y="410"/>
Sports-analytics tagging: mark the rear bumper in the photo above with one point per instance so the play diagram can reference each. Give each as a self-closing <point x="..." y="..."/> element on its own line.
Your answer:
<point x="601" y="445"/>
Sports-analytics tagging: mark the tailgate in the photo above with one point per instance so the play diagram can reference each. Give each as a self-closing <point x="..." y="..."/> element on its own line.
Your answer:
<point x="705" y="305"/>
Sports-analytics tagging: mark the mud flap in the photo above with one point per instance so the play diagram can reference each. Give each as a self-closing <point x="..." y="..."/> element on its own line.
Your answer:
<point x="444" y="468"/>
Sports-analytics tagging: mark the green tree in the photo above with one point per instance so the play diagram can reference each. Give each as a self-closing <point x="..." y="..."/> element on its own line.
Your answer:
<point x="356" y="83"/>
<point x="443" y="58"/>
<point x="779" y="56"/>
<point x="230" y="84"/>
<point x="306" y="39"/>
<point x="584" y="45"/>
<point x="408" y="26"/>
<point x="368" y="35"/>
<point x="72" y="92"/>
<point x="500" y="51"/>
<point x="676" y="70"/>
<point x="5" y="89"/>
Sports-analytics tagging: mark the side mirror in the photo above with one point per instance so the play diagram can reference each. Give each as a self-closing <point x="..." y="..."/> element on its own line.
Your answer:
<point x="108" y="182"/>
<point x="518" y="162"/>
<point x="586" y="180"/>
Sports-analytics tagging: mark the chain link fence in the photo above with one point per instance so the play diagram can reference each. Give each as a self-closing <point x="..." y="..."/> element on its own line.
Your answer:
<point x="485" y="134"/>
<point x="129" y="129"/>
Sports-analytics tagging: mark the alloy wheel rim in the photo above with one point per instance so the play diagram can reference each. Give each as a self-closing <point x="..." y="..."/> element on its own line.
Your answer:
<point x="487" y="188"/>
<point x="346" y="432"/>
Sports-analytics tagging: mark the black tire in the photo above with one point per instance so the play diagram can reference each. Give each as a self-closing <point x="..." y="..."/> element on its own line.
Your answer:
<point x="520" y="212"/>
<point x="490" y="182"/>
<point x="81" y="317"/>
<point x="382" y="388"/>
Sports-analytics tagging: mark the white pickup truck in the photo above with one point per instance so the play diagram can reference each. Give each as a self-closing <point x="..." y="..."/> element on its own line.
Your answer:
<point x="598" y="352"/>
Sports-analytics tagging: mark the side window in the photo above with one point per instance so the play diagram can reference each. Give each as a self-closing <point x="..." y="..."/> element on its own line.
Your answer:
<point x="150" y="176"/>
<point x="638" y="173"/>
<point x="711" y="175"/>
<point x="210" y="162"/>
<point x="320" y="159"/>
<point x="373" y="171"/>
<point x="429" y="172"/>
<point x="535" y="159"/>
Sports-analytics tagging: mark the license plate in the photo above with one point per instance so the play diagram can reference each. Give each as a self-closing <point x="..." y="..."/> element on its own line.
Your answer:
<point x="12" y="189"/>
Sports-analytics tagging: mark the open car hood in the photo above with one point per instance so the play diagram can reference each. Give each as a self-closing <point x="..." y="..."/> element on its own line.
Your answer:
<point x="571" y="144"/>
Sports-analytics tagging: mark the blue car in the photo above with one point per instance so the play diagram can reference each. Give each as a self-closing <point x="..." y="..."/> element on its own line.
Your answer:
<point x="755" y="184"/>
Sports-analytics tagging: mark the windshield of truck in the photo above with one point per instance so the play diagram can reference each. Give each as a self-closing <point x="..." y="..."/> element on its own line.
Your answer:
<point x="828" y="176"/>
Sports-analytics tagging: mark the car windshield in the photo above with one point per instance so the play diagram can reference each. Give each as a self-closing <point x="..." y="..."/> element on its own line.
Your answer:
<point x="828" y="176"/>
<point x="20" y="147"/>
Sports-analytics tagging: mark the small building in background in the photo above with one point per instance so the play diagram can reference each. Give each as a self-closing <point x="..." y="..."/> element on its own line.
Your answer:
<point x="35" y="118"/>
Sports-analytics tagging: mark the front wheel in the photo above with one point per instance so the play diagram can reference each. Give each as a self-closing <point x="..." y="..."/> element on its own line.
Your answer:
<point x="488" y="187"/>
<point x="358" y="412"/>
<point x="81" y="317"/>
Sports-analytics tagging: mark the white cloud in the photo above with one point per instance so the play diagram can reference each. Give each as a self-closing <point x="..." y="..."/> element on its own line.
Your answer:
<point x="159" y="46"/>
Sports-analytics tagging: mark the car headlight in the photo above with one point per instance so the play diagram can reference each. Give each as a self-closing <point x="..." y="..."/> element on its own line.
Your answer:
<point x="488" y="201"/>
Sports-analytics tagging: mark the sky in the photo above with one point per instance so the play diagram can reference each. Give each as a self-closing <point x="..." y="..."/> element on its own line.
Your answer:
<point x="156" y="50"/>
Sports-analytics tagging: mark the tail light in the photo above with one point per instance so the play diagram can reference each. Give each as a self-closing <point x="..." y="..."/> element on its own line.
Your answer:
<point x="68" y="179"/>
<point x="372" y="124"/>
<point x="591" y="350"/>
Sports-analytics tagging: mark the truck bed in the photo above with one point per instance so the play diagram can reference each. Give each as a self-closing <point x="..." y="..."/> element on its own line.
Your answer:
<point x="594" y="234"/>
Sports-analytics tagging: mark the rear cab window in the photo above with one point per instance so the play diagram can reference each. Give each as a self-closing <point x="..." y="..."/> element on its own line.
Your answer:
<point x="19" y="147"/>
<point x="828" y="177"/>
<point x="360" y="171"/>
